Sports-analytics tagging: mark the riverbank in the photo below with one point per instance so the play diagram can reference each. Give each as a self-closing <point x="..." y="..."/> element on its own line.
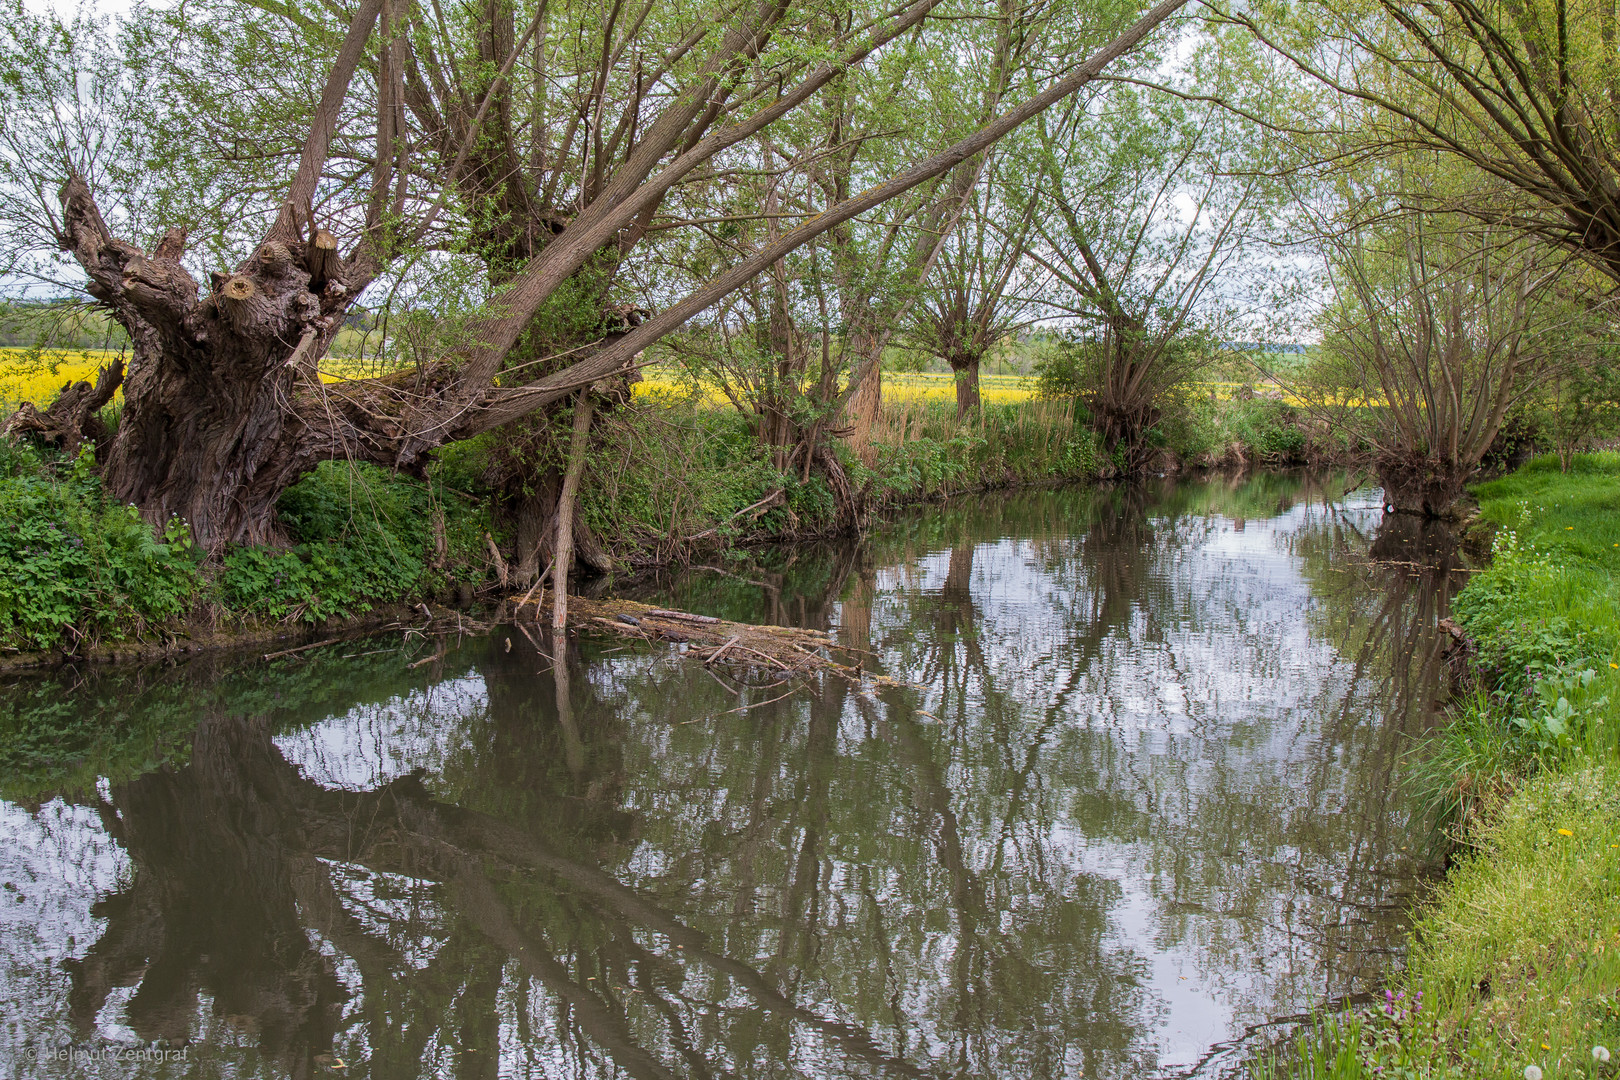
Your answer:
<point x="1516" y="960"/>
<point x="81" y="576"/>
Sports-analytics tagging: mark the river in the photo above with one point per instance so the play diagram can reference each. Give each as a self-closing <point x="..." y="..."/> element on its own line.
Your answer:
<point x="1134" y="798"/>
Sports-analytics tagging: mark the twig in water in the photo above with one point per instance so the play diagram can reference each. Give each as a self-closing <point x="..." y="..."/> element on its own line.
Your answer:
<point x="757" y="704"/>
<point x="721" y="651"/>
<point x="440" y="655"/>
<point x="302" y="648"/>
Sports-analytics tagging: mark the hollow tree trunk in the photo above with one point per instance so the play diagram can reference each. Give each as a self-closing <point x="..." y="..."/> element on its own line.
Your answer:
<point x="966" y="368"/>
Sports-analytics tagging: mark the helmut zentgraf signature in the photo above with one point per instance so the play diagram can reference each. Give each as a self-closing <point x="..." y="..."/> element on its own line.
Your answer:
<point x="130" y="1052"/>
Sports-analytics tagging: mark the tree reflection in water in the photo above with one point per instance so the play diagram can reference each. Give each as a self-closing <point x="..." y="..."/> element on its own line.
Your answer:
<point x="1146" y="793"/>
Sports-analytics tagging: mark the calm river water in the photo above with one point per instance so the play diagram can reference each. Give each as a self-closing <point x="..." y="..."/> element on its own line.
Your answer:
<point x="1144" y="801"/>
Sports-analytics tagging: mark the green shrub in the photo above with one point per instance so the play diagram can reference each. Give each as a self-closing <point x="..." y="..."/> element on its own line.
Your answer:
<point x="361" y="538"/>
<point x="72" y="563"/>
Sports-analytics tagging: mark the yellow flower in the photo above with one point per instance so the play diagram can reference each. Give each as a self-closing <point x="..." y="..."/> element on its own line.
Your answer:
<point x="1569" y="528"/>
<point x="1565" y="832"/>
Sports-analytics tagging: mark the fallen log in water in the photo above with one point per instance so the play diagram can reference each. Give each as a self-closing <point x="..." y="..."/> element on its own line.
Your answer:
<point x="787" y="650"/>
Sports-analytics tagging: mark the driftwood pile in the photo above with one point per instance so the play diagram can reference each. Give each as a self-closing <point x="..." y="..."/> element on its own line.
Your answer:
<point x="787" y="651"/>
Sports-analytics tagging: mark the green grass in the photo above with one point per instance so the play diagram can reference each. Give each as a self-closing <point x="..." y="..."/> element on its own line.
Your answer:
<point x="1516" y="961"/>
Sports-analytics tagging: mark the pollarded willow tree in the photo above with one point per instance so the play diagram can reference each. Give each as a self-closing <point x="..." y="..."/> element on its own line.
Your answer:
<point x="979" y="294"/>
<point x="1437" y="330"/>
<point x="419" y="140"/>
<point x="1156" y="203"/>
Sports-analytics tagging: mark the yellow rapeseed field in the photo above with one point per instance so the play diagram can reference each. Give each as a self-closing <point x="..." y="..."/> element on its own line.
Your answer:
<point x="26" y="376"/>
<point x="29" y="376"/>
<point x="909" y="386"/>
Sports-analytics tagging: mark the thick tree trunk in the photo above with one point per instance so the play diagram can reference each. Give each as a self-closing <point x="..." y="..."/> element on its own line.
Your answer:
<point x="966" y="368"/>
<point x="209" y="430"/>
<point x="1425" y="486"/>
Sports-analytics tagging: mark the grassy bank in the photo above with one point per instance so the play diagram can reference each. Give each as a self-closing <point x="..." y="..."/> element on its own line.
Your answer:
<point x="1516" y="962"/>
<point x="79" y="572"/>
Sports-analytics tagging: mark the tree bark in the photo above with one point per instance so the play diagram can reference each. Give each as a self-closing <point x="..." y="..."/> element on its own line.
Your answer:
<point x="565" y="510"/>
<point x="966" y="369"/>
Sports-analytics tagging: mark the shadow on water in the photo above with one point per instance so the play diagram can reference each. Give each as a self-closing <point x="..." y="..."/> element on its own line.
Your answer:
<point x="1144" y="797"/>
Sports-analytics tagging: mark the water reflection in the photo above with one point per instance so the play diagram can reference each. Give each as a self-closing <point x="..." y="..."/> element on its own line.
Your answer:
<point x="1145" y="795"/>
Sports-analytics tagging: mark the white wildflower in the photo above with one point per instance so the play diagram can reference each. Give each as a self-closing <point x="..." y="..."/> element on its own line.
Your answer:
<point x="1532" y="1072"/>
<point x="1600" y="1054"/>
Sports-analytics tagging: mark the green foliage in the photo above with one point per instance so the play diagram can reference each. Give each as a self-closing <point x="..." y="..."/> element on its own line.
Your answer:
<point x="56" y="324"/>
<point x="1579" y="402"/>
<point x="1269" y="429"/>
<point x="361" y="539"/>
<point x="71" y="562"/>
<point x="76" y="566"/>
<point x="927" y="466"/>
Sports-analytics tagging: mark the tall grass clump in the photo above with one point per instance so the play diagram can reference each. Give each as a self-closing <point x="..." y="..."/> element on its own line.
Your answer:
<point x="921" y="450"/>
<point x="671" y="467"/>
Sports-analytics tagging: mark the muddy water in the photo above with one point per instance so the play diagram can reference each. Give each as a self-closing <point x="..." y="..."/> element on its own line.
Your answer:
<point x="1142" y="799"/>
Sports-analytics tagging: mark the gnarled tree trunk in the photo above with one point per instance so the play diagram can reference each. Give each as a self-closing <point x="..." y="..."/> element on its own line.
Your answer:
<point x="206" y="432"/>
<point x="1426" y="486"/>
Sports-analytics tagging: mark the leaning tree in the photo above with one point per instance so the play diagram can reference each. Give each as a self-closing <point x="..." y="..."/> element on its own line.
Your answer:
<point x="223" y="406"/>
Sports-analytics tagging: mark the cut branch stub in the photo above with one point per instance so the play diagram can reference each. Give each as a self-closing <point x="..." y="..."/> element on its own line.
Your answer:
<point x="237" y="289"/>
<point x="246" y="306"/>
<point x="275" y="258"/>
<point x="322" y="259"/>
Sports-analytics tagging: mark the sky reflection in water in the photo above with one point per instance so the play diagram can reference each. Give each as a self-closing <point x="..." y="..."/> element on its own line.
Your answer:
<point x="1145" y="796"/>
